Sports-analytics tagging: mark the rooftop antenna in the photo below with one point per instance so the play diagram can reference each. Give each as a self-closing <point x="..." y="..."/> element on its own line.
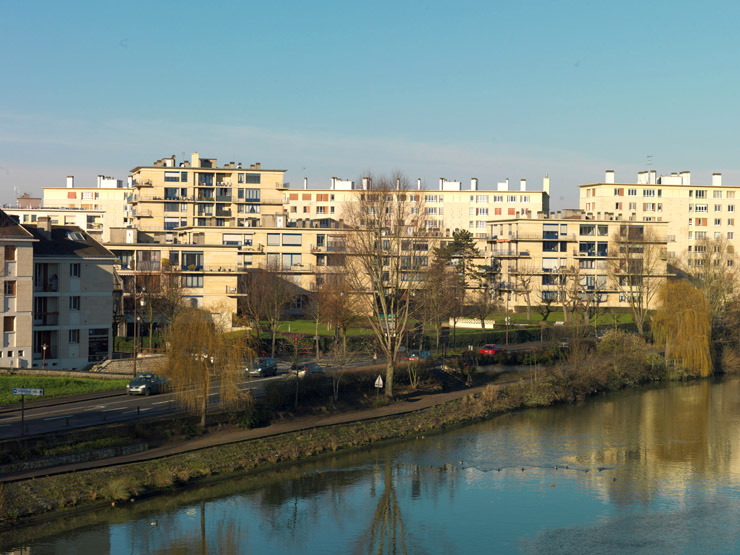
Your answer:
<point x="15" y="191"/>
<point x="649" y="160"/>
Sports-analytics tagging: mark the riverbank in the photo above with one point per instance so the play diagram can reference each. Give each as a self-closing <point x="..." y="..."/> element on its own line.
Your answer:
<point x="122" y="483"/>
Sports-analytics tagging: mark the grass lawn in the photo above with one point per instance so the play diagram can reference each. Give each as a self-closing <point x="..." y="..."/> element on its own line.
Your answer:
<point x="54" y="387"/>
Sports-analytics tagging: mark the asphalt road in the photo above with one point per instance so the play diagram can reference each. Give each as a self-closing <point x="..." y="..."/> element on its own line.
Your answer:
<point x="64" y="415"/>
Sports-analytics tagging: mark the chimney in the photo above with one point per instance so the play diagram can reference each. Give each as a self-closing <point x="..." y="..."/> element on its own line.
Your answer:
<point x="305" y="182"/>
<point x="239" y="166"/>
<point x="70" y="181"/>
<point x="130" y="181"/>
<point x="609" y="176"/>
<point x="522" y="184"/>
<point x="398" y="184"/>
<point x="717" y="179"/>
<point x="546" y="184"/>
<point x="44" y="224"/>
<point x="652" y="179"/>
<point x="366" y="184"/>
<point x="685" y="178"/>
<point x="474" y="184"/>
<point x="333" y="183"/>
<point x="441" y="181"/>
<point x="195" y="160"/>
<point x="251" y="167"/>
<point x="418" y="184"/>
<point x="257" y="166"/>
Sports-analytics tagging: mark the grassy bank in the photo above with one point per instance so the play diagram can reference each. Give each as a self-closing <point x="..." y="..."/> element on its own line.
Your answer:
<point x="54" y="387"/>
<point x="582" y="377"/>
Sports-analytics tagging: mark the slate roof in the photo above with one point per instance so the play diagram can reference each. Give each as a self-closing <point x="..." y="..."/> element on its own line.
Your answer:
<point x="67" y="240"/>
<point x="10" y="229"/>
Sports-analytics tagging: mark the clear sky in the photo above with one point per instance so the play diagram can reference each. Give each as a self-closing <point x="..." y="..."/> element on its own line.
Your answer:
<point x="486" y="89"/>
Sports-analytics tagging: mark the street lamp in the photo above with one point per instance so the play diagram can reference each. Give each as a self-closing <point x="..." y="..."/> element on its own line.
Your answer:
<point x="43" y="360"/>
<point x="136" y="334"/>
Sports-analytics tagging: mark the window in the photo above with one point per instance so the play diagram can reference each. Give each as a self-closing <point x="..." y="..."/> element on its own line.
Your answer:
<point x="192" y="282"/>
<point x="511" y="198"/>
<point x="716" y="194"/>
<point x="512" y="211"/>
<point x="321" y="209"/>
<point x="717" y="221"/>
<point x="718" y="207"/>
<point x="730" y="235"/>
<point x="633" y="206"/>
<point x="701" y="207"/>
<point x="273" y="239"/>
<point x="74" y="270"/>
<point x="497" y="211"/>
<point x="9" y="253"/>
<point x="292" y="239"/>
<point x="251" y="195"/>
<point x="74" y="336"/>
<point x="700" y="194"/>
<point x="8" y="324"/>
<point x="9" y="288"/>
<point x="253" y="178"/>
<point x="730" y="194"/>
<point x="481" y="199"/>
<point x="430" y="198"/>
<point x="171" y="176"/>
<point x="632" y="192"/>
<point x="701" y="235"/>
<point x="617" y="206"/>
<point x="481" y="211"/>
<point x="730" y="207"/>
<point x="648" y="192"/>
<point x="498" y="198"/>
<point x="241" y="178"/>
<point x="731" y="221"/>
<point x="74" y="303"/>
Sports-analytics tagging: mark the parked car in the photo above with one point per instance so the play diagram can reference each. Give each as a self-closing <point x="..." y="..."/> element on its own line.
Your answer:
<point x="600" y="335"/>
<point x="262" y="366"/>
<point x="146" y="384"/>
<point x="306" y="368"/>
<point x="564" y="342"/>
<point x="490" y="349"/>
<point x="417" y="355"/>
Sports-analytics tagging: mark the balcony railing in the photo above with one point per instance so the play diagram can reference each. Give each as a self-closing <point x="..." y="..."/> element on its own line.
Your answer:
<point x="46" y="318"/>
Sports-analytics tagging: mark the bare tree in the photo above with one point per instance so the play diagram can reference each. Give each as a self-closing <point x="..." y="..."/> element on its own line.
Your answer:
<point x="201" y="356"/>
<point x="637" y="269"/>
<point x="437" y="304"/>
<point x="269" y="292"/>
<point x="526" y="273"/>
<point x="384" y="260"/>
<point x="711" y="267"/>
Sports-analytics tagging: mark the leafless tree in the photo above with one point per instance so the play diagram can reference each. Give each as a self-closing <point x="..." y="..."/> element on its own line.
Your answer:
<point x="436" y="293"/>
<point x="637" y="268"/>
<point x="269" y="292"/>
<point x="385" y="260"/>
<point x="526" y="274"/>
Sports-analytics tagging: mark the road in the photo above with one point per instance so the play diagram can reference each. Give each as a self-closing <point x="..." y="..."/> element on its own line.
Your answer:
<point x="63" y="415"/>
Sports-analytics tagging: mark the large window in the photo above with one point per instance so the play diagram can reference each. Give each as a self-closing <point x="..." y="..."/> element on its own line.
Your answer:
<point x="253" y="178"/>
<point x="9" y="253"/>
<point x="172" y="176"/>
<point x="192" y="260"/>
<point x="192" y="282"/>
<point x="74" y="303"/>
<point x="8" y="324"/>
<point x="9" y="289"/>
<point x="292" y="239"/>
<point x="74" y="336"/>
<point x="273" y="239"/>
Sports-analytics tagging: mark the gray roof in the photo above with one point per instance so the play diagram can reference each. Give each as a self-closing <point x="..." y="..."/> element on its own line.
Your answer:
<point x="66" y="241"/>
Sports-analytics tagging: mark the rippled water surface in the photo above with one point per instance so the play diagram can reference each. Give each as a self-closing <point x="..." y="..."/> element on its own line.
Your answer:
<point x="654" y="471"/>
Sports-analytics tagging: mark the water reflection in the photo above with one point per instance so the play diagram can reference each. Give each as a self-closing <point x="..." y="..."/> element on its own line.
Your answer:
<point x="651" y="471"/>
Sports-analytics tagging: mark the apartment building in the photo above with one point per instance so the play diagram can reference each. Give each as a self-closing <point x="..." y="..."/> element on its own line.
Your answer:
<point x="447" y="208"/>
<point x="695" y="213"/>
<point x="72" y="300"/>
<point x="533" y="256"/>
<point x="16" y="268"/>
<point x="214" y="223"/>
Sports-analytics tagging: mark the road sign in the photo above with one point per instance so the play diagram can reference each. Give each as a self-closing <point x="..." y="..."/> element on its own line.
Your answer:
<point x="379" y="382"/>
<point x="27" y="391"/>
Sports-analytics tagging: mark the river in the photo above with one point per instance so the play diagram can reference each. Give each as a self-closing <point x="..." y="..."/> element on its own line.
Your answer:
<point x="649" y="471"/>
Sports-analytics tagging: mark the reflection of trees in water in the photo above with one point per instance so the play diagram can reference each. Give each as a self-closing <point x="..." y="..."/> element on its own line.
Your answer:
<point x="386" y="533"/>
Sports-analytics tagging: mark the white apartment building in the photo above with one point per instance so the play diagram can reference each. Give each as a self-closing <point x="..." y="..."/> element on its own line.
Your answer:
<point x="694" y="212"/>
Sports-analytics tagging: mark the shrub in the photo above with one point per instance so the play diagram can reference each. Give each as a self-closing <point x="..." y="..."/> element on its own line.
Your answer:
<point x="256" y="416"/>
<point x="116" y="489"/>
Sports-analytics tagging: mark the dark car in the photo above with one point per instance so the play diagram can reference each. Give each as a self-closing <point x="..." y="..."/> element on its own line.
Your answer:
<point x="146" y="384"/>
<point x="306" y="368"/>
<point x="262" y="366"/>
<point x="489" y="349"/>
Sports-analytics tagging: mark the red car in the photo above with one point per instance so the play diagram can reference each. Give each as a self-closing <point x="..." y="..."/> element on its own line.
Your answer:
<point x="490" y="349"/>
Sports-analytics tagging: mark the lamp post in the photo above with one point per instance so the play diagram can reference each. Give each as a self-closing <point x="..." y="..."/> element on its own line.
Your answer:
<point x="136" y="334"/>
<point x="43" y="360"/>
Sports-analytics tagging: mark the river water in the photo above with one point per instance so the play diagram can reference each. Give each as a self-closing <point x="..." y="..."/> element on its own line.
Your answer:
<point x="649" y="471"/>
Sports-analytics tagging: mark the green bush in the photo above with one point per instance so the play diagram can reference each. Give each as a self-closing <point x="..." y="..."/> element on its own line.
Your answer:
<point x="256" y="416"/>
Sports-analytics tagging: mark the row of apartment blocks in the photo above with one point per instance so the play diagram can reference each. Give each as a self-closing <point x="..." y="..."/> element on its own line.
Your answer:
<point x="212" y="224"/>
<point x="57" y="296"/>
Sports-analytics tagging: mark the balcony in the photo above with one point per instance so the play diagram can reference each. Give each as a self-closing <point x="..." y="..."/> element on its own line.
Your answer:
<point x="146" y="183"/>
<point x="143" y="213"/>
<point x="223" y="198"/>
<point x="45" y="318"/>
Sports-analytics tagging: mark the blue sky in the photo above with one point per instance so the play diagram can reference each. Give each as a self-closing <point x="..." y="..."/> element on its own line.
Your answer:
<point x="435" y="89"/>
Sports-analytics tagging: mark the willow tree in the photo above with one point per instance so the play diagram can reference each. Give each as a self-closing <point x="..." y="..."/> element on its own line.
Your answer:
<point x="683" y="325"/>
<point x="387" y="250"/>
<point x="201" y="356"/>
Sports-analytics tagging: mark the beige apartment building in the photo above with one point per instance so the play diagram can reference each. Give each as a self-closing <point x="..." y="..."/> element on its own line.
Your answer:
<point x="535" y="255"/>
<point x="694" y="213"/>
<point x="16" y="266"/>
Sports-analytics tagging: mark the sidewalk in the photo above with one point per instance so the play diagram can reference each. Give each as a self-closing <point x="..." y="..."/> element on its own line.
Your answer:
<point x="411" y="404"/>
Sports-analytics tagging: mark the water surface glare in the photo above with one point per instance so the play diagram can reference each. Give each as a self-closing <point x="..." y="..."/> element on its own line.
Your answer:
<point x="651" y="471"/>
